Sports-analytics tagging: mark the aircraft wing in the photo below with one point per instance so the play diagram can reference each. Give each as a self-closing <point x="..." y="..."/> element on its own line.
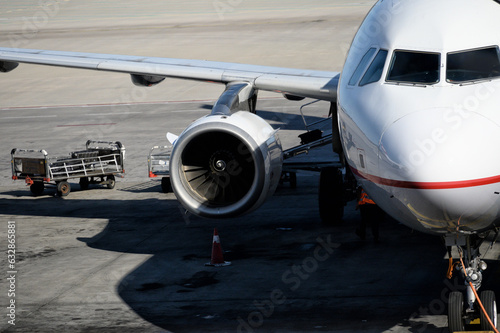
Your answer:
<point x="148" y="71"/>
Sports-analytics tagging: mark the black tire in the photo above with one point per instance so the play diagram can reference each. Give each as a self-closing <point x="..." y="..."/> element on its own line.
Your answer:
<point x="166" y="186"/>
<point x="111" y="182"/>
<point x="84" y="183"/>
<point x="37" y="188"/>
<point x="63" y="188"/>
<point x="293" y="180"/>
<point x="455" y="312"/>
<point x="490" y="305"/>
<point x="331" y="196"/>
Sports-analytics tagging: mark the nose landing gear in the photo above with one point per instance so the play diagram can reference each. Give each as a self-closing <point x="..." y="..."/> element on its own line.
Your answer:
<point x="462" y="312"/>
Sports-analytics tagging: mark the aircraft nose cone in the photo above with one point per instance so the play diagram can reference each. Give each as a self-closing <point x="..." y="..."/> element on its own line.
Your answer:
<point x="447" y="164"/>
<point x="440" y="145"/>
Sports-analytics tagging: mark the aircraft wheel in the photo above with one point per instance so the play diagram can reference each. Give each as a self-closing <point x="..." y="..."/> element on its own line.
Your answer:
<point x="63" y="188"/>
<point x="490" y="305"/>
<point x="166" y="186"/>
<point x="455" y="312"/>
<point x="331" y="195"/>
<point x="37" y="188"/>
<point x="111" y="182"/>
<point x="293" y="180"/>
<point x="84" y="183"/>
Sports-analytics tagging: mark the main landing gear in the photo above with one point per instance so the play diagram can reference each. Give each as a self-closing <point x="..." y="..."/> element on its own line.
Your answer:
<point x="465" y="309"/>
<point x="331" y="195"/>
<point x="335" y="190"/>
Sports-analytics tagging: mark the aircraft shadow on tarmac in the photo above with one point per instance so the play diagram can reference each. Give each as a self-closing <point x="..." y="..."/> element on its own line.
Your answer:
<point x="281" y="276"/>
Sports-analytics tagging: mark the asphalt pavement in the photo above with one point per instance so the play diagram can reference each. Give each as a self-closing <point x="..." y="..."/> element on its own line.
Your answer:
<point x="131" y="259"/>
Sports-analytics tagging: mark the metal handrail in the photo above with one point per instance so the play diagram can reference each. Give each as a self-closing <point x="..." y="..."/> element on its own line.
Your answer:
<point x="87" y="166"/>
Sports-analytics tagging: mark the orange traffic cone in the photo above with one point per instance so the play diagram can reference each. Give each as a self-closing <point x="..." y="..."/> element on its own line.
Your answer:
<point x="217" y="259"/>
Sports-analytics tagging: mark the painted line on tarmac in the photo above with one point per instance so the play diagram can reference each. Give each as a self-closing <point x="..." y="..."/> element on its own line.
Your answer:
<point x="195" y="110"/>
<point x="28" y="117"/>
<point x="120" y="104"/>
<point x="79" y="125"/>
<point x="36" y="107"/>
<point x="111" y="113"/>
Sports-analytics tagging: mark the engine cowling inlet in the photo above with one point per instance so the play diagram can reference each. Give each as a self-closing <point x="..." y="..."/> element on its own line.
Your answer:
<point x="226" y="165"/>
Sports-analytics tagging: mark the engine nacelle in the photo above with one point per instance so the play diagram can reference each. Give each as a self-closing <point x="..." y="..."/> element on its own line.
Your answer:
<point x="146" y="80"/>
<point x="226" y="165"/>
<point x="6" y="66"/>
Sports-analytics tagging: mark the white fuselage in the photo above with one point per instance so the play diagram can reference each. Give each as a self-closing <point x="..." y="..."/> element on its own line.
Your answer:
<point x="419" y="112"/>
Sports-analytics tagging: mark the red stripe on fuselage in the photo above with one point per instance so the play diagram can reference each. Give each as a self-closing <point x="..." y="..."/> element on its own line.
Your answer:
<point x="427" y="185"/>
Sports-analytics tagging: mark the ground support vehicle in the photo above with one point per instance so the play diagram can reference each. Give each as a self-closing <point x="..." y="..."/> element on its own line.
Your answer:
<point x="99" y="163"/>
<point x="159" y="165"/>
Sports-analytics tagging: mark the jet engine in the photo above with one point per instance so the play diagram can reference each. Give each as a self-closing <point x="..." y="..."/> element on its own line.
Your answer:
<point x="225" y="165"/>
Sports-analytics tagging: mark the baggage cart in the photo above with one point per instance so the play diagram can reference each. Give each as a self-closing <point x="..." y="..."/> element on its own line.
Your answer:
<point x="159" y="165"/>
<point x="99" y="163"/>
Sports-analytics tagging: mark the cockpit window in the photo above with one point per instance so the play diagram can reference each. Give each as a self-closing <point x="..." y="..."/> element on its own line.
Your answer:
<point x="374" y="72"/>
<point x="414" y="67"/>
<point x="473" y="65"/>
<point x="361" y="66"/>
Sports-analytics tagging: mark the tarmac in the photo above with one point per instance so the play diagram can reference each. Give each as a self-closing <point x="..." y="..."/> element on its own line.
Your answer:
<point x="131" y="259"/>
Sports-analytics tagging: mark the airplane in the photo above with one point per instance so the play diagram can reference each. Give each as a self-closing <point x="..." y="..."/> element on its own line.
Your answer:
<point x="414" y="119"/>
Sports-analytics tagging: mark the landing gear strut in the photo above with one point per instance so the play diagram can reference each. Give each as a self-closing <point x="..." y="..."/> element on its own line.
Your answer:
<point x="463" y="310"/>
<point x="331" y="195"/>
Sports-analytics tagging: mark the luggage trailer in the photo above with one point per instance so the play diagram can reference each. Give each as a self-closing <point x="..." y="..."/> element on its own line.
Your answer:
<point x="159" y="166"/>
<point x="99" y="163"/>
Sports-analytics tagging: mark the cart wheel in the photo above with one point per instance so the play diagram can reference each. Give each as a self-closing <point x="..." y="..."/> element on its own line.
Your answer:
<point x="166" y="186"/>
<point x="63" y="188"/>
<point x="37" y="188"/>
<point x="111" y="182"/>
<point x="84" y="183"/>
